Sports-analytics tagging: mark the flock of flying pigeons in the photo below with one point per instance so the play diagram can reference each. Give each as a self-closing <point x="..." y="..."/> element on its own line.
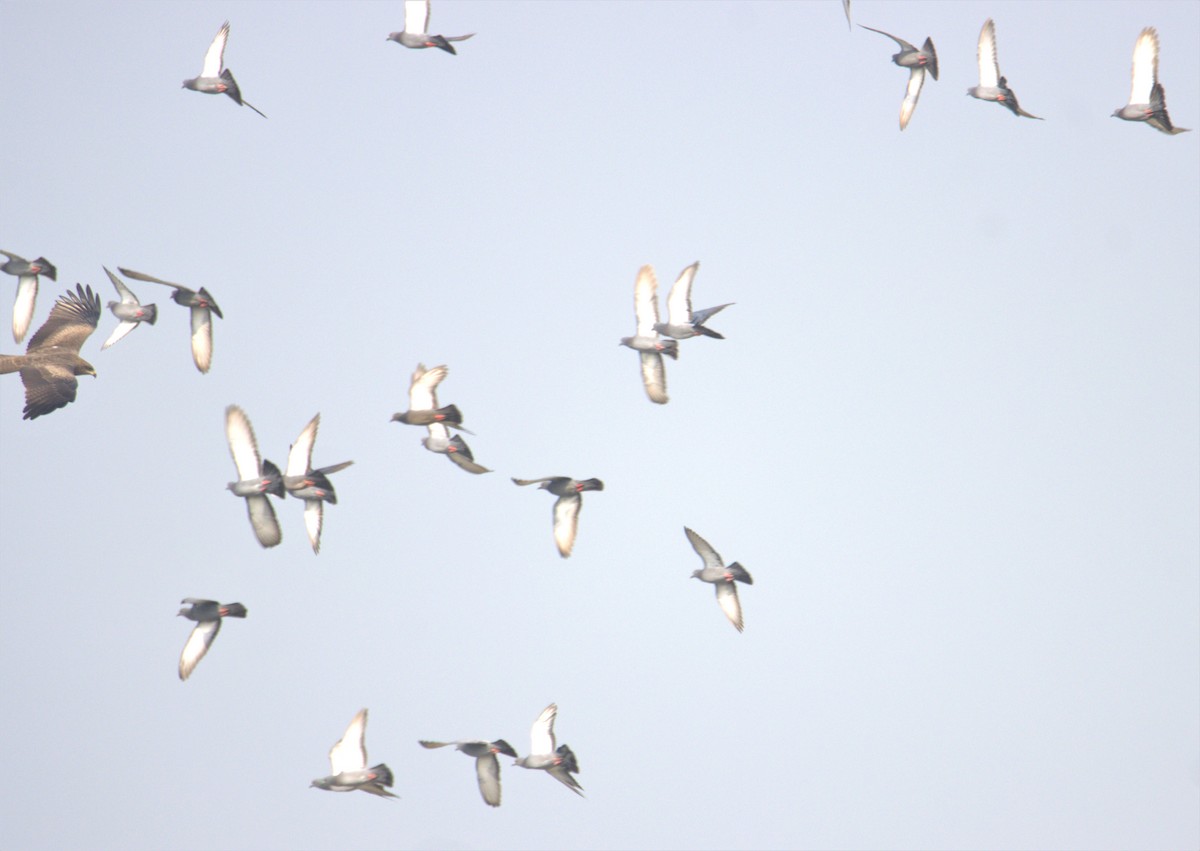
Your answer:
<point x="52" y="362"/>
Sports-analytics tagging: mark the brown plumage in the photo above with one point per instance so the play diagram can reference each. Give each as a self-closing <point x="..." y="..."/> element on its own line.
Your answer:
<point x="51" y="362"/>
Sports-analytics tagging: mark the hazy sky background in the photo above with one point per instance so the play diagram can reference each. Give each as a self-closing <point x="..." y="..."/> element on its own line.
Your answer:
<point x="953" y="432"/>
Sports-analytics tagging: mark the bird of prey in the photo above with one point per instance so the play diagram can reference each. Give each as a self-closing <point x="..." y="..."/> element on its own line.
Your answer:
<point x="722" y="576"/>
<point x="487" y="767"/>
<point x="992" y="86"/>
<point x="215" y="79"/>
<point x="348" y="764"/>
<point x="27" y="272"/>
<point x="256" y="477"/>
<point x="682" y="322"/>
<point x="422" y="400"/>
<point x="51" y="361"/>
<point x="202" y="306"/>
<point x="129" y="310"/>
<point x="416" y="29"/>
<point x="454" y="448"/>
<point x="312" y="486"/>
<point x="560" y="762"/>
<point x="207" y="614"/>
<point x="1147" y="100"/>
<point x="918" y="62"/>
<point x="566" y="507"/>
<point x="646" y="341"/>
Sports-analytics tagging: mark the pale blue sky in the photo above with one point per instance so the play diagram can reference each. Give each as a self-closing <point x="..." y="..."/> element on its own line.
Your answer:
<point x="953" y="432"/>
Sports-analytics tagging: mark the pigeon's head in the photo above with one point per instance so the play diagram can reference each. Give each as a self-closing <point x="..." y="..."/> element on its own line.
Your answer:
<point x="626" y="341"/>
<point x="394" y="36"/>
<point x="696" y="574"/>
<point x="323" y="783"/>
<point x="399" y="418"/>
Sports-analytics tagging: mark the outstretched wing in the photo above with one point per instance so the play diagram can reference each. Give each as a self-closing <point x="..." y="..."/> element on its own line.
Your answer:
<point x="989" y="67"/>
<point x="72" y="320"/>
<point x="654" y="377"/>
<point x="215" y="57"/>
<point x="704" y="549"/>
<point x="422" y="391"/>
<point x="416" y="16"/>
<point x="350" y="751"/>
<point x="645" y="302"/>
<point x="1145" y="66"/>
<point x="197" y="645"/>
<point x="300" y="455"/>
<point x="541" y="734"/>
<point x="916" y="79"/>
<point x="679" y="301"/>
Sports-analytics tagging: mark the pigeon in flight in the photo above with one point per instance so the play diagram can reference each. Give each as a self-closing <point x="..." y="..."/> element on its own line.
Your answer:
<point x="256" y="478"/>
<point x="720" y="575"/>
<point x="422" y="400"/>
<point x="846" y="9"/>
<point x="214" y="78"/>
<point x="207" y="614"/>
<point x="487" y="767"/>
<point x="348" y="764"/>
<point x="416" y="29"/>
<point x="51" y="361"/>
<point x="558" y="762"/>
<point x="1147" y="100"/>
<point x="566" y="508"/>
<point x="454" y="448"/>
<point x="918" y="62"/>
<point x="646" y="342"/>
<point x="202" y="306"/>
<point x="682" y="322"/>
<point x="312" y="486"/>
<point x="129" y="310"/>
<point x="27" y="272"/>
<point x="992" y="86"/>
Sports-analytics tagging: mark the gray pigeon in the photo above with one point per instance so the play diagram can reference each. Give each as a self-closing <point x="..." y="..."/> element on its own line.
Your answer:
<point x="566" y="507"/>
<point x="722" y="576"/>
<point x="454" y="448"/>
<point x="208" y="615"/>
<point x="487" y="767"/>
<point x="312" y="486"/>
<point x="27" y="272"/>
<point x="682" y="322"/>
<point x="646" y="341"/>
<point x="51" y="361"/>
<point x="560" y="762"/>
<point x="348" y="764"/>
<point x="422" y="400"/>
<point x="1147" y="100"/>
<point x="918" y="62"/>
<point x="214" y="78"/>
<point x="202" y="306"/>
<point x="256" y="477"/>
<point x="129" y="310"/>
<point x="992" y="86"/>
<point x="416" y="29"/>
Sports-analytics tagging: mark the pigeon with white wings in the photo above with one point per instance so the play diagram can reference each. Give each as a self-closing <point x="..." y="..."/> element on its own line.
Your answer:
<point x="558" y="762"/>
<point x="487" y="767"/>
<point x="26" y="273"/>
<point x="1147" y="99"/>
<point x="646" y="341"/>
<point x="256" y="477"/>
<point x="312" y="486"/>
<point x="215" y="78"/>
<point x="208" y="615"/>
<point x="720" y="575"/>
<point x="992" y="86"/>
<point x="422" y="400"/>
<point x="201" y="304"/>
<point x="567" y="507"/>
<point x="682" y="322"/>
<point x="918" y="63"/>
<point x="348" y="764"/>
<point x="129" y="310"/>
<point x="454" y="448"/>
<point x="416" y="30"/>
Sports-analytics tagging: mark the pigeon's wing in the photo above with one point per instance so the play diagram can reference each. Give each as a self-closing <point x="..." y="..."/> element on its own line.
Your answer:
<point x="72" y="320"/>
<point x="197" y="645"/>
<point x="846" y="9"/>
<point x="566" y="521"/>
<point x="916" y="79"/>
<point x="118" y="333"/>
<point x="202" y="338"/>
<point x="1145" y="66"/>
<point x="654" y="377"/>
<point x="560" y="773"/>
<point x="242" y="445"/>
<point x="416" y="16"/>
<point x="214" y="59"/>
<point x="487" y="768"/>
<point x="467" y="464"/>
<point x="989" y="67"/>
<point x="679" y="301"/>
<point x="704" y="549"/>
<point x="314" y="517"/>
<point x="422" y="391"/>
<point x="300" y="455"/>
<point x="532" y="481"/>
<point x="350" y="751"/>
<point x="727" y="597"/>
<point x="27" y="288"/>
<point x="425" y="743"/>
<point x="645" y="302"/>
<point x="126" y="294"/>
<point x="904" y="44"/>
<point x="141" y="276"/>
<point x="541" y="734"/>
<point x="48" y="387"/>
<point x="263" y="520"/>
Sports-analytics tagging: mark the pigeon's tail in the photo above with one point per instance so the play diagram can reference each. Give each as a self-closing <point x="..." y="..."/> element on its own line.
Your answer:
<point x="568" y="759"/>
<point x="928" y="48"/>
<point x="591" y="485"/>
<point x="450" y="414"/>
<point x="233" y="610"/>
<point x="440" y="41"/>
<point x="270" y="471"/>
<point x="670" y="348"/>
<point x="47" y="268"/>
<point x="739" y="573"/>
<point x="383" y="774"/>
<point x="150" y="313"/>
